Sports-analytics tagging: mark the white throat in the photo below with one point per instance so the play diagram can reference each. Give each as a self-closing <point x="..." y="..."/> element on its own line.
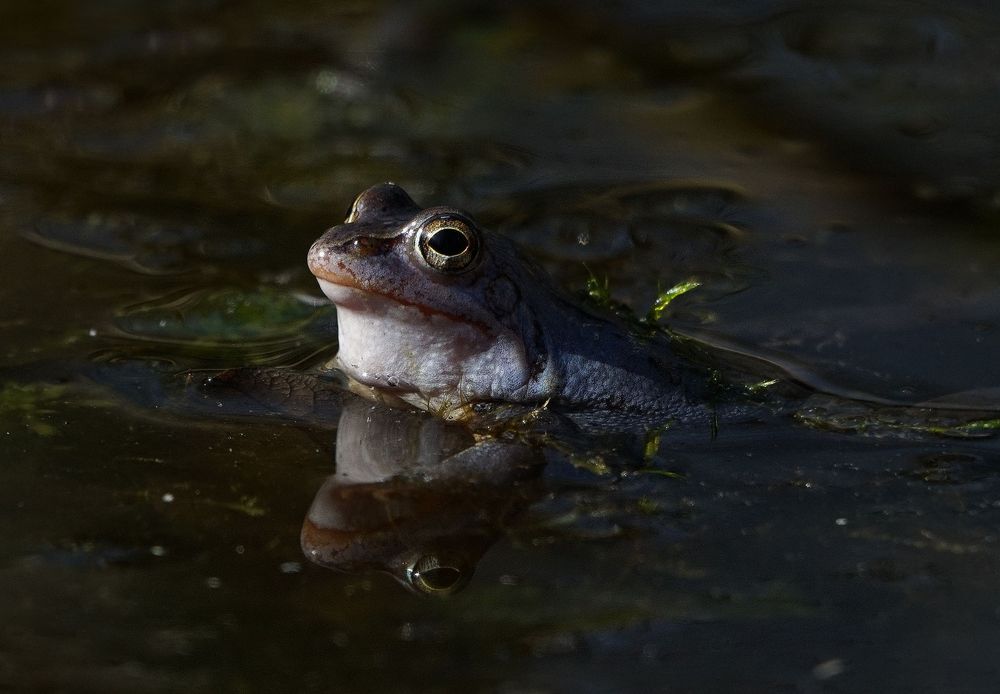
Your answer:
<point x="389" y="345"/>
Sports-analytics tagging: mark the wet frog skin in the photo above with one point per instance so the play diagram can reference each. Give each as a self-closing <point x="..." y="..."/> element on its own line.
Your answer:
<point x="439" y="313"/>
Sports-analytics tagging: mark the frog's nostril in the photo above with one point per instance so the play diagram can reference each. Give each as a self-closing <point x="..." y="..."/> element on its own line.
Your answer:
<point x="365" y="246"/>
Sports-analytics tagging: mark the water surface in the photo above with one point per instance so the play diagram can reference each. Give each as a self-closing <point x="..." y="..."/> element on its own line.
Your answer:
<point x="828" y="173"/>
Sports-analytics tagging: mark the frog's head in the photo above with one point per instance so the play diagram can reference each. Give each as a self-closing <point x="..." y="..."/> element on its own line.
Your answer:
<point x="430" y="306"/>
<point x="390" y="247"/>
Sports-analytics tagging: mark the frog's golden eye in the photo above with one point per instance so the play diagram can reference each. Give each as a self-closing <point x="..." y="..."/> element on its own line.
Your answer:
<point x="448" y="244"/>
<point x="432" y="575"/>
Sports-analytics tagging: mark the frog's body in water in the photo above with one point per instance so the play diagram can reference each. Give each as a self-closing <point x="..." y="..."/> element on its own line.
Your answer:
<point x="449" y="317"/>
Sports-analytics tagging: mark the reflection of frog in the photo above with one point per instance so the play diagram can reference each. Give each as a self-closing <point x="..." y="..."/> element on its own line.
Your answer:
<point x="416" y="497"/>
<point x="439" y="313"/>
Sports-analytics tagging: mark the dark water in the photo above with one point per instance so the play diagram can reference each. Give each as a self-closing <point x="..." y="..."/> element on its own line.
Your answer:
<point x="830" y="173"/>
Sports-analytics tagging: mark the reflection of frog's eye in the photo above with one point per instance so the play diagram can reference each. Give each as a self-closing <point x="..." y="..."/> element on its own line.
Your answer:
<point x="448" y="244"/>
<point x="430" y="576"/>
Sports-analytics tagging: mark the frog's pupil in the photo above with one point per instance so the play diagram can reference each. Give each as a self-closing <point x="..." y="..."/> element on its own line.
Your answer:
<point x="440" y="578"/>
<point x="448" y="242"/>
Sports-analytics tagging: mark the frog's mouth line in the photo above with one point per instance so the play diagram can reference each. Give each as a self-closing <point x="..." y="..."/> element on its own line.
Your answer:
<point x="342" y="289"/>
<point x="347" y="293"/>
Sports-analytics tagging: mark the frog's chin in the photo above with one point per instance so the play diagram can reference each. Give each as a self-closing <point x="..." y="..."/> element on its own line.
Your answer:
<point x="343" y="295"/>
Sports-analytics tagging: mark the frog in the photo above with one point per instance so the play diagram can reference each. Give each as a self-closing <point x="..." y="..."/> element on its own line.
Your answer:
<point x="437" y="312"/>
